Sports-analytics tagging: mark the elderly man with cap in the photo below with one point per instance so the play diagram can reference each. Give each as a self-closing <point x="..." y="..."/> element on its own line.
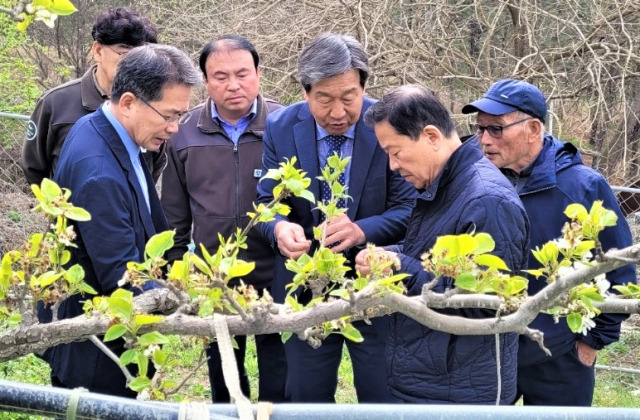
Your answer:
<point x="548" y="175"/>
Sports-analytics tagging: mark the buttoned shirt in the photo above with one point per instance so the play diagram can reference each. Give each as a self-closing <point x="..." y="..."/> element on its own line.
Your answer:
<point x="345" y="151"/>
<point x="234" y="131"/>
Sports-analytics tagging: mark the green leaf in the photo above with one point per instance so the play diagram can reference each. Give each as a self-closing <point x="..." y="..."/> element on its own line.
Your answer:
<point x="447" y="243"/>
<point x="535" y="273"/>
<point x="609" y="218"/>
<point x="485" y="243"/>
<point x="241" y="269"/>
<point x="159" y="243"/>
<point x="576" y="211"/>
<point x="140" y="383"/>
<point x="491" y="261"/>
<point x="76" y="213"/>
<point x="307" y="195"/>
<point x="85" y="288"/>
<point x="160" y="358"/>
<point x="128" y="357"/>
<point x="467" y="244"/>
<point x="147" y="319"/>
<point x="201" y="265"/>
<point x="350" y="332"/>
<point x="48" y="278"/>
<point x="115" y="331"/>
<point x="120" y="303"/>
<point x="574" y="320"/>
<point x="466" y="281"/>
<point x="75" y="274"/>
<point x="50" y="189"/>
<point x="5" y="271"/>
<point x="285" y="335"/>
<point x="515" y="285"/>
<point x="153" y="337"/>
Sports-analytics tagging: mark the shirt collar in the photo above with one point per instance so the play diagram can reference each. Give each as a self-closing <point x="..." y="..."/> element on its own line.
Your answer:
<point x="322" y="133"/>
<point x="250" y="115"/>
<point x="132" y="147"/>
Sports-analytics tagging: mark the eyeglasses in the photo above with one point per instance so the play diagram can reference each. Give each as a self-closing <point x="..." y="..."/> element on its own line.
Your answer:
<point x="120" y="53"/>
<point x="495" y="131"/>
<point x="180" y="117"/>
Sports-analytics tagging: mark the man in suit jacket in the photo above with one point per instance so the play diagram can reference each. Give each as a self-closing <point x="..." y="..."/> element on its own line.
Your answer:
<point x="333" y="71"/>
<point x="150" y="97"/>
<point x="114" y="33"/>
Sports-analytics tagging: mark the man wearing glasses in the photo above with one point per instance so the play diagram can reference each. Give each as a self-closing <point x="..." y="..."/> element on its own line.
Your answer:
<point x="101" y="163"/>
<point x="549" y="175"/>
<point x="115" y="32"/>
<point x="209" y="185"/>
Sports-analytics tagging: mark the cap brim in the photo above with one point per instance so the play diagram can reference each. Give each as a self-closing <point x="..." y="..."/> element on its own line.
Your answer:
<point x="488" y="106"/>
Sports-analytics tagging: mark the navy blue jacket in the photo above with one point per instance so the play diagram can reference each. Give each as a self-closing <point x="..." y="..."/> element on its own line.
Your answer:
<point x="559" y="178"/>
<point x="102" y="181"/>
<point x="381" y="199"/>
<point x="428" y="366"/>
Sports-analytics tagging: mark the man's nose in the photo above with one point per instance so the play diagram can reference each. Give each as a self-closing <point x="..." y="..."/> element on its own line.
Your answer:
<point x="337" y="110"/>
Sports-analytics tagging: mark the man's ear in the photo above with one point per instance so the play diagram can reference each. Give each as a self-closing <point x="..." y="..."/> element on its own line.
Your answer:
<point x="126" y="103"/>
<point x="535" y="128"/>
<point x="432" y="134"/>
<point x="98" y="50"/>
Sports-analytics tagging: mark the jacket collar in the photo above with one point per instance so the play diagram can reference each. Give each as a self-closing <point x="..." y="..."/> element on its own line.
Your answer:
<point x="463" y="157"/>
<point x="364" y="147"/>
<point x="554" y="157"/>
<point x="91" y="96"/>
<point x="119" y="151"/>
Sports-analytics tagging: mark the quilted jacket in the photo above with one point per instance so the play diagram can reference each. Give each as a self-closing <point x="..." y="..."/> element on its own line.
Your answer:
<point x="429" y="366"/>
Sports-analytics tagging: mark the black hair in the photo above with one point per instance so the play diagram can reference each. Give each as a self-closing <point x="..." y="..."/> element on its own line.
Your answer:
<point x="120" y="25"/>
<point x="409" y="109"/>
<point x="229" y="42"/>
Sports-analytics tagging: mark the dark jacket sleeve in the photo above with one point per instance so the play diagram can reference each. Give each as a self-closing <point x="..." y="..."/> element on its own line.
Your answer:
<point x="109" y="237"/>
<point x="176" y="203"/>
<point x="265" y="186"/>
<point x="607" y="329"/>
<point x="37" y="151"/>
<point x="390" y="226"/>
<point x="507" y="224"/>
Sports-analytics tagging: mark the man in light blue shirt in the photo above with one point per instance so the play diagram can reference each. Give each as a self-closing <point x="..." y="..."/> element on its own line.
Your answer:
<point x="150" y="97"/>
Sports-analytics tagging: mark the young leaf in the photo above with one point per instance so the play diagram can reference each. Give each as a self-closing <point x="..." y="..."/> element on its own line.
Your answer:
<point x="466" y="281"/>
<point x="350" y="332"/>
<point x="159" y="244"/>
<point x="241" y="269"/>
<point x="139" y="383"/>
<point x="491" y="261"/>
<point x="128" y="357"/>
<point x="574" y="320"/>
<point x="115" y="331"/>
<point x="576" y="211"/>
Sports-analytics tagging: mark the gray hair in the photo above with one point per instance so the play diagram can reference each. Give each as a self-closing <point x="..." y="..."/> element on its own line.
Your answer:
<point x="329" y="55"/>
<point x="146" y="70"/>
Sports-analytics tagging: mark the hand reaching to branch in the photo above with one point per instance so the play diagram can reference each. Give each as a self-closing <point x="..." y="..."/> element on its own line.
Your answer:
<point x="365" y="258"/>
<point x="291" y="240"/>
<point x="341" y="233"/>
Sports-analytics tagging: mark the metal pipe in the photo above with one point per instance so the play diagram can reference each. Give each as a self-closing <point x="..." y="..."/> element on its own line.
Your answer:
<point x="49" y="401"/>
<point x="626" y="189"/>
<point x="14" y="116"/>
<point x="617" y="369"/>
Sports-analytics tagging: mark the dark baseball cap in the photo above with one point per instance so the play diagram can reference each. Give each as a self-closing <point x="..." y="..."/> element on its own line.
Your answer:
<point x="509" y="95"/>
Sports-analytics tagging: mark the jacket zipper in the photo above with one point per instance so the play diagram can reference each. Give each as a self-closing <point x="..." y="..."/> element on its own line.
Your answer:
<point x="237" y="167"/>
